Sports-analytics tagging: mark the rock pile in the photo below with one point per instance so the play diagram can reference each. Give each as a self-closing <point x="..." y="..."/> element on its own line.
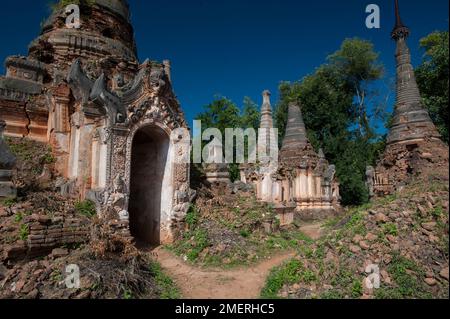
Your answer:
<point x="402" y="240"/>
<point x="110" y="278"/>
<point x="28" y="229"/>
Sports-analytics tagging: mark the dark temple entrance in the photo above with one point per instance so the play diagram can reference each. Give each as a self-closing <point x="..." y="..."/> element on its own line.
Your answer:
<point x="148" y="163"/>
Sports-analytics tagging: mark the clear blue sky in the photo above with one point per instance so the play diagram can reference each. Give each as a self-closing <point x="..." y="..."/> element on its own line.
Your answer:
<point x="238" y="48"/>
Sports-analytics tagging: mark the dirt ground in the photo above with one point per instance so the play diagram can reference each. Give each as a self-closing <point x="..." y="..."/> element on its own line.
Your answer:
<point x="198" y="283"/>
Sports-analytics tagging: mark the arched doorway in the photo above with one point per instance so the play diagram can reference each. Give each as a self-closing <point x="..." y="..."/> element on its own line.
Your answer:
<point x="148" y="162"/>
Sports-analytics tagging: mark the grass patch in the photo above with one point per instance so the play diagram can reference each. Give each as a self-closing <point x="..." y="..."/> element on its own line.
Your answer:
<point x="24" y="232"/>
<point x="390" y="229"/>
<point x="437" y="212"/>
<point x="408" y="278"/>
<point x="8" y="202"/>
<point x="18" y="217"/>
<point x="290" y="273"/>
<point x="280" y="276"/>
<point x="86" y="208"/>
<point x="164" y="282"/>
<point x="192" y="217"/>
<point x="192" y="244"/>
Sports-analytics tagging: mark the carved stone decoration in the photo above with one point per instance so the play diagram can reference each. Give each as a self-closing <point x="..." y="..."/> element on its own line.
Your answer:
<point x="84" y="92"/>
<point x="157" y="79"/>
<point x="330" y="173"/>
<point x="102" y="97"/>
<point x="303" y="181"/>
<point x="78" y="81"/>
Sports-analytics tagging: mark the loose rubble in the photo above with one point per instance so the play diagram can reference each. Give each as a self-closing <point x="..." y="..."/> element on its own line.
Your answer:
<point x="404" y="238"/>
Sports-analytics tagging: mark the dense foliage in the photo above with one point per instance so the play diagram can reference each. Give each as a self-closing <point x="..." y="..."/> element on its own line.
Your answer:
<point x="341" y="106"/>
<point x="223" y="113"/>
<point x="335" y="101"/>
<point x="433" y="79"/>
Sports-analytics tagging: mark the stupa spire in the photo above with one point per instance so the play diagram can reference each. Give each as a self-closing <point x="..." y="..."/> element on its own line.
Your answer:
<point x="267" y="142"/>
<point x="411" y="120"/>
<point x="400" y="30"/>
<point x="295" y="138"/>
<point x="266" y="111"/>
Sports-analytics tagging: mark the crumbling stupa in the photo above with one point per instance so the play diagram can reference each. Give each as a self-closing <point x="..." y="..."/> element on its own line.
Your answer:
<point x="301" y="183"/>
<point x="413" y="141"/>
<point x="306" y="180"/>
<point x="109" y="119"/>
<point x="261" y="175"/>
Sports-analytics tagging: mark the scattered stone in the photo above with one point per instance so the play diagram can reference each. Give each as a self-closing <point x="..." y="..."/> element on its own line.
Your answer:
<point x="19" y="286"/>
<point x="364" y="245"/>
<point x="444" y="273"/>
<point x="391" y="238"/>
<point x="12" y="252"/>
<point x="357" y="239"/>
<point x="59" y="252"/>
<point x="381" y="218"/>
<point x="431" y="281"/>
<point x="34" y="294"/>
<point x="422" y="210"/>
<point x="371" y="237"/>
<point x="386" y="278"/>
<point x="3" y="212"/>
<point x="84" y="295"/>
<point x="354" y="249"/>
<point x="3" y="271"/>
<point x="433" y="239"/>
<point x="429" y="226"/>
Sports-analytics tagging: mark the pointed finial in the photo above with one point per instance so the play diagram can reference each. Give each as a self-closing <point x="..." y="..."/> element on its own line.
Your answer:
<point x="266" y="96"/>
<point x="400" y="30"/>
<point x="321" y="154"/>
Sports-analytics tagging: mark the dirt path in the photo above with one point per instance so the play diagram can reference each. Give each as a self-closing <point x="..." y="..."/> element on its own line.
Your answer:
<point x="313" y="230"/>
<point x="197" y="283"/>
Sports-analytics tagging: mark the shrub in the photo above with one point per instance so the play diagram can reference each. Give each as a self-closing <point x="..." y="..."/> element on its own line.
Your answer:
<point x="86" y="208"/>
<point x="24" y="232"/>
<point x="192" y="217"/>
<point x="280" y="276"/>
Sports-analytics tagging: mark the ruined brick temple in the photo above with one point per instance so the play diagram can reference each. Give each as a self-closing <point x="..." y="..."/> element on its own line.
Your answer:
<point x="109" y="118"/>
<point x="413" y="141"/>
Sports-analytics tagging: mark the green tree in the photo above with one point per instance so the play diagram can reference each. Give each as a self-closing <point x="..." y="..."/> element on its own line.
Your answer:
<point x="433" y="79"/>
<point x="250" y="117"/>
<point x="223" y="113"/>
<point x="335" y="100"/>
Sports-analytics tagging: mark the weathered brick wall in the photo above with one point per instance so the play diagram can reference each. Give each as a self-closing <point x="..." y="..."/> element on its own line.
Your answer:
<point x="48" y="233"/>
<point x="43" y="234"/>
